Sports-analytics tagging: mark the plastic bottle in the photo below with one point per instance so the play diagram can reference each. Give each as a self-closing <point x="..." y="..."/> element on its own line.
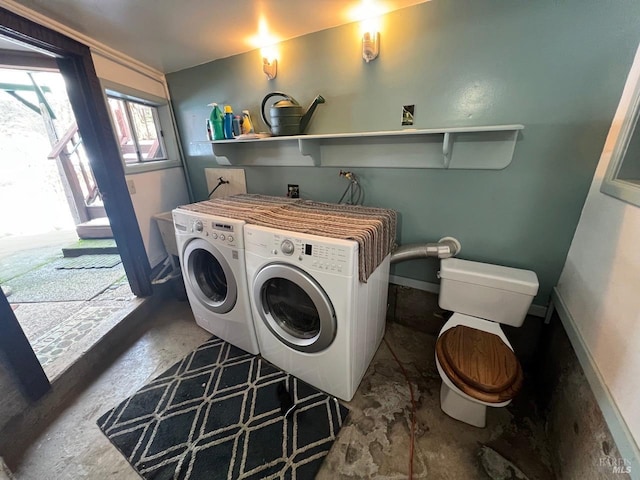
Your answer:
<point x="216" y="122"/>
<point x="209" y="132"/>
<point x="228" y="122"/>
<point x="247" y="125"/>
<point x="236" y="125"/>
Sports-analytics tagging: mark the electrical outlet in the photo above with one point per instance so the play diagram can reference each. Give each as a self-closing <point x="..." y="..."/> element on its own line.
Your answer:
<point x="407" y="114"/>
<point x="131" y="187"/>
<point x="293" y="191"/>
<point x="235" y="176"/>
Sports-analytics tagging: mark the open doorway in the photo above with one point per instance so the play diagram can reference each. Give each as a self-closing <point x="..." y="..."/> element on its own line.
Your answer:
<point x="75" y="63"/>
<point x="29" y="178"/>
<point x="59" y="265"/>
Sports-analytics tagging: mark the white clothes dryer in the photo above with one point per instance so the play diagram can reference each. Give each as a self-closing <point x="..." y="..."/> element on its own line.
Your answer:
<point x="313" y="317"/>
<point x="212" y="258"/>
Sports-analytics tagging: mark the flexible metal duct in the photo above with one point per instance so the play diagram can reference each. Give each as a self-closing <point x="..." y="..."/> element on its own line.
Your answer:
<point x="446" y="247"/>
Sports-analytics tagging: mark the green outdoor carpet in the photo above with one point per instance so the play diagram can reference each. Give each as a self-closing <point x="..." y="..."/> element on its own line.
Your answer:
<point x="50" y="284"/>
<point x="90" y="246"/>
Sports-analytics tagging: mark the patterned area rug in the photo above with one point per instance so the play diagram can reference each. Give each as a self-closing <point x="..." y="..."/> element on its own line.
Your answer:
<point x="216" y="415"/>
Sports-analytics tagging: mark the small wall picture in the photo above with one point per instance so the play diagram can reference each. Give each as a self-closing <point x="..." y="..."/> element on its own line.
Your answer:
<point x="407" y="114"/>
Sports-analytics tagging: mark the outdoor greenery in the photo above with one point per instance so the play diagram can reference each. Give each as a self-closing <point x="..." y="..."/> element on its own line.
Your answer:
<point x="30" y="189"/>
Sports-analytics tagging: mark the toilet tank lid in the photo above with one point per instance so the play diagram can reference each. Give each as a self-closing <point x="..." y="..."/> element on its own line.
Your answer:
<point x="489" y="275"/>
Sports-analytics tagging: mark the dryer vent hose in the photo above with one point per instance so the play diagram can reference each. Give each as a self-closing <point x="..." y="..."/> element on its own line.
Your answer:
<point x="446" y="247"/>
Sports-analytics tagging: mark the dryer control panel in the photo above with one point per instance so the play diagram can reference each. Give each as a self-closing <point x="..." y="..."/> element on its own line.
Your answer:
<point x="310" y="252"/>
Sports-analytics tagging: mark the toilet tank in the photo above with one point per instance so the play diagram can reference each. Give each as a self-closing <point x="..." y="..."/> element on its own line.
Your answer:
<point x="496" y="293"/>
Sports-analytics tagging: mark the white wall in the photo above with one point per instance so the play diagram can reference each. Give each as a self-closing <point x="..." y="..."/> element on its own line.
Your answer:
<point x="600" y="284"/>
<point x="119" y="72"/>
<point x="156" y="191"/>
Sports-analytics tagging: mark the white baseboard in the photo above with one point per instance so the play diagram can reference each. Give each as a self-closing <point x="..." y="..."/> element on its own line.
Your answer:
<point x="417" y="284"/>
<point x="535" y="310"/>
<point x="619" y="430"/>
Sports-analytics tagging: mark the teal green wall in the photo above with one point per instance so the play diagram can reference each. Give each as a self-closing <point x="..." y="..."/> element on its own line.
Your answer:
<point x="557" y="67"/>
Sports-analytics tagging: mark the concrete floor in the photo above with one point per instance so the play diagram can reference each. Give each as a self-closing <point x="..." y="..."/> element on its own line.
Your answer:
<point x="73" y="447"/>
<point x="59" y="330"/>
<point x="374" y="442"/>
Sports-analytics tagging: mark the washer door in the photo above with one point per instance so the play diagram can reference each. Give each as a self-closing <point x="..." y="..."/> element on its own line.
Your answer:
<point x="294" y="307"/>
<point x="209" y="276"/>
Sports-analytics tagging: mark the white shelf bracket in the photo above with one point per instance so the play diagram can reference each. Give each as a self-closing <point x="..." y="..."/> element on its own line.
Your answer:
<point x="221" y="154"/>
<point x="447" y="145"/>
<point x="310" y="148"/>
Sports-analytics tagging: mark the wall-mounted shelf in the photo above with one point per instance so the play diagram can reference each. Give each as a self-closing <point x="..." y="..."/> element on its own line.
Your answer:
<point x="486" y="147"/>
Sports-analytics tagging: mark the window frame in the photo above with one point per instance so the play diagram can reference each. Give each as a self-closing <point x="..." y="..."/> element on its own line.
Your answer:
<point x="162" y="119"/>
<point x="127" y="104"/>
<point x="612" y="184"/>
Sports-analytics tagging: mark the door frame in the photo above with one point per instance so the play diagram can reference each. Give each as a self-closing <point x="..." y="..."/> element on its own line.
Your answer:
<point x="87" y="101"/>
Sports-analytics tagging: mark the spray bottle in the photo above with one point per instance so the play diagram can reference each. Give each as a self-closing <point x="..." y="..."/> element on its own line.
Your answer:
<point x="247" y="125"/>
<point x="216" y="122"/>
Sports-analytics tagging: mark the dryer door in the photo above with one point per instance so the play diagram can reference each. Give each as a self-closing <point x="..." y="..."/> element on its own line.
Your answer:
<point x="294" y="307"/>
<point x="209" y="277"/>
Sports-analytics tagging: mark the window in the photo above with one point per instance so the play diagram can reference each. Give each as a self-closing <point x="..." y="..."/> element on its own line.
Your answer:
<point x="138" y="131"/>
<point x="144" y="128"/>
<point x="622" y="178"/>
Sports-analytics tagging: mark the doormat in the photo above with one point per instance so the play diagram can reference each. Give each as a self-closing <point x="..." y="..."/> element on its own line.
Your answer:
<point x="88" y="261"/>
<point x="216" y="415"/>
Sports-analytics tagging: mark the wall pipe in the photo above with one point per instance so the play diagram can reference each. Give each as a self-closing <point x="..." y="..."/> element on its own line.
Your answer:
<point x="445" y="247"/>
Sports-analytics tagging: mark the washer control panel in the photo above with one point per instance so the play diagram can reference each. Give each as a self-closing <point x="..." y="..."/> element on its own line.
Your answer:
<point x="216" y="231"/>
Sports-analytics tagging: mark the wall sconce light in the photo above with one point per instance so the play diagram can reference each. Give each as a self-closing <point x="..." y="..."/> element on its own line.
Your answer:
<point x="270" y="67"/>
<point x="370" y="45"/>
<point x="266" y="42"/>
<point x="370" y="28"/>
<point x="369" y="14"/>
<point x="269" y="61"/>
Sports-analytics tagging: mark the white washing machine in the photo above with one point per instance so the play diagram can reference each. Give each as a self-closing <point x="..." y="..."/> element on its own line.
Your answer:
<point x="313" y="317"/>
<point x="212" y="258"/>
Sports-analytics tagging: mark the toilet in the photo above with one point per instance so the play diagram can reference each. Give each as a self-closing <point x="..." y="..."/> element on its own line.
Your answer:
<point x="473" y="356"/>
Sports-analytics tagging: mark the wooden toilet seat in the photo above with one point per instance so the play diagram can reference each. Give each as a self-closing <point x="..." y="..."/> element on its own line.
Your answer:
<point x="479" y="363"/>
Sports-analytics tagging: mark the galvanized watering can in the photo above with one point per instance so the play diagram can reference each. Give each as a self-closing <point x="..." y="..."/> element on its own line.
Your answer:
<point x="286" y="116"/>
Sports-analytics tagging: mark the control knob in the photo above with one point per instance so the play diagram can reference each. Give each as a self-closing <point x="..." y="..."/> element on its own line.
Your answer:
<point x="287" y="247"/>
<point x="198" y="226"/>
